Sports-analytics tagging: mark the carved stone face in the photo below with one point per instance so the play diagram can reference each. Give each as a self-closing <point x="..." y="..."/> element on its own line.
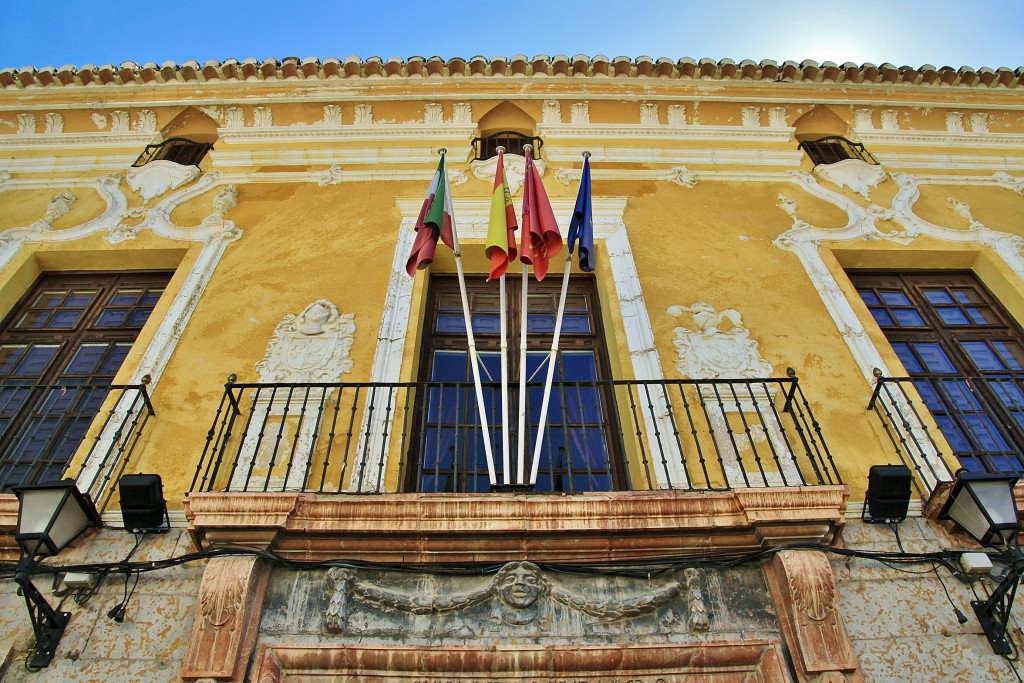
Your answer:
<point x="520" y="586"/>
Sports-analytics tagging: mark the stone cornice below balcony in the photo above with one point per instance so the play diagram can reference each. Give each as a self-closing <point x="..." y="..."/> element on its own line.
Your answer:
<point x="424" y="528"/>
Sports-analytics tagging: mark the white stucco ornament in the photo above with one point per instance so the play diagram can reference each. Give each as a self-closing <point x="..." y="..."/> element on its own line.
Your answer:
<point x="158" y="177"/>
<point x="712" y="352"/>
<point x="312" y="346"/>
<point x="855" y="174"/>
<point x="515" y="170"/>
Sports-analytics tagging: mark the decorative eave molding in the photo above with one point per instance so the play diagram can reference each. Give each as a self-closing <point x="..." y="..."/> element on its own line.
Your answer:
<point x="660" y="132"/>
<point x="950" y="162"/>
<point x="671" y="156"/>
<point x="68" y="142"/>
<point x="354" y="133"/>
<point x="940" y="139"/>
<point x="225" y="159"/>
<point x="192" y="73"/>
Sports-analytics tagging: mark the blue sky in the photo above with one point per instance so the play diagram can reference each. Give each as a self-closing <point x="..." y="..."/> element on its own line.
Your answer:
<point x="941" y="32"/>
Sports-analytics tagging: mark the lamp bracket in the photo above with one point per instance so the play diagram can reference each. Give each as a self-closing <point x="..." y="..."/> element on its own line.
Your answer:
<point x="47" y="623"/>
<point x="994" y="629"/>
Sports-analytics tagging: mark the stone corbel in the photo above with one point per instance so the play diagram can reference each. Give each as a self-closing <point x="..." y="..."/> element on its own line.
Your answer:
<point x="226" y="621"/>
<point x="804" y="591"/>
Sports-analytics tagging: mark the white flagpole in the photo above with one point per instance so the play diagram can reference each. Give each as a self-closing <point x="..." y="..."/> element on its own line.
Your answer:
<point x="505" y="427"/>
<point x="524" y="317"/>
<point x="473" y="356"/>
<point x="551" y="360"/>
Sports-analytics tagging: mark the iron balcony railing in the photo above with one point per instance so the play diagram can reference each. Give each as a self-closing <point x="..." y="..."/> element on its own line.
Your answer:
<point x="977" y="419"/>
<point x="599" y="435"/>
<point x="42" y="427"/>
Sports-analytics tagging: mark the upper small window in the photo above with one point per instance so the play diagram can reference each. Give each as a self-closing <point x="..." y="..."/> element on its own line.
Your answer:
<point x="829" y="150"/>
<point x="178" y="150"/>
<point x="513" y="142"/>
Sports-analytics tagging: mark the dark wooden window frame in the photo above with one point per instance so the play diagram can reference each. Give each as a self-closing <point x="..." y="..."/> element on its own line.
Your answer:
<point x="998" y="326"/>
<point x="536" y="342"/>
<point x="89" y="328"/>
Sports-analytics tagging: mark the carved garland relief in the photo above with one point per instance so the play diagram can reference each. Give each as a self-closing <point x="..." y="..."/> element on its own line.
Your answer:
<point x="520" y="600"/>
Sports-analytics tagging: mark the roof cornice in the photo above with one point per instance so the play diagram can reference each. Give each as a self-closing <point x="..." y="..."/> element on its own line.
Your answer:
<point x="192" y="73"/>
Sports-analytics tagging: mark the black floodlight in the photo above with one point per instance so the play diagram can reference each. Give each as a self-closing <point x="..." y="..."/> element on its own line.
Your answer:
<point x="142" y="503"/>
<point x="888" y="495"/>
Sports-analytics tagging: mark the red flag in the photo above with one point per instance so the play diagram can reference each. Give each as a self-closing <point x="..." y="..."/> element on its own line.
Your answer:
<point x="541" y="239"/>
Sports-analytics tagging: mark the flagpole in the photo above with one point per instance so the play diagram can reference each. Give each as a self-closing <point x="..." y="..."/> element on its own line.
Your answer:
<point x="524" y="317"/>
<point x="506" y="474"/>
<point x="552" y="360"/>
<point x="471" y="340"/>
<point x="506" y="428"/>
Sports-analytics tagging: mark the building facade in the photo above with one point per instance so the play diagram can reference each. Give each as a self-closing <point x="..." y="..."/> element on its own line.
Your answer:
<point x="801" y="271"/>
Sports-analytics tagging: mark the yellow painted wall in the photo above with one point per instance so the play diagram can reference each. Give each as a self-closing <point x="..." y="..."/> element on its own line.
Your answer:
<point x="710" y="243"/>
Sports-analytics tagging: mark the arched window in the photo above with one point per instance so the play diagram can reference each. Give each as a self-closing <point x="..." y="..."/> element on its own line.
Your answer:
<point x="833" y="148"/>
<point x="178" y="150"/>
<point x="513" y="142"/>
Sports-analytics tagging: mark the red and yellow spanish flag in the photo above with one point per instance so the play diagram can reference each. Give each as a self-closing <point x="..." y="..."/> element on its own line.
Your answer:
<point x="502" y="226"/>
<point x="541" y="239"/>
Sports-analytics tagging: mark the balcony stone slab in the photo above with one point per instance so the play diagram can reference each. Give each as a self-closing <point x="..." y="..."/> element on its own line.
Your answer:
<point x="505" y="527"/>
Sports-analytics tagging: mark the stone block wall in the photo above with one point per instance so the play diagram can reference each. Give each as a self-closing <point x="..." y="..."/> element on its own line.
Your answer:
<point x="900" y="623"/>
<point x="147" y="646"/>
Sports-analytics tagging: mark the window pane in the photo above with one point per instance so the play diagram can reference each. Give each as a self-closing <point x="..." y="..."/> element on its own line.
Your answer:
<point x="907" y="357"/>
<point x="80" y="299"/>
<point x="541" y="323"/>
<point x="49" y="298"/>
<point x="907" y="317"/>
<point x="34" y="320"/>
<point x="448" y="323"/>
<point x="576" y="324"/>
<point x="938" y="296"/>
<point x="125" y="297"/>
<point x="868" y="296"/>
<point x="882" y="317"/>
<point x="934" y="358"/>
<point x="1011" y="354"/>
<point x="86" y="359"/>
<point x="953" y="316"/>
<point x="112" y="318"/>
<point x="895" y="298"/>
<point x="982" y="356"/>
<point x="35" y="360"/>
<point x="139" y="317"/>
<point x="64" y="320"/>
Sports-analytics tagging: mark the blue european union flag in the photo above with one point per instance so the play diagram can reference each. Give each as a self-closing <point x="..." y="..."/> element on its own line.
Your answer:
<point x="582" y="225"/>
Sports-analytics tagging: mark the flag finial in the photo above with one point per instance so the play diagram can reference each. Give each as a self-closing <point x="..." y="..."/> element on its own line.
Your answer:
<point x="528" y="148"/>
<point x="442" y="151"/>
<point x="586" y="155"/>
<point x="499" y="149"/>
